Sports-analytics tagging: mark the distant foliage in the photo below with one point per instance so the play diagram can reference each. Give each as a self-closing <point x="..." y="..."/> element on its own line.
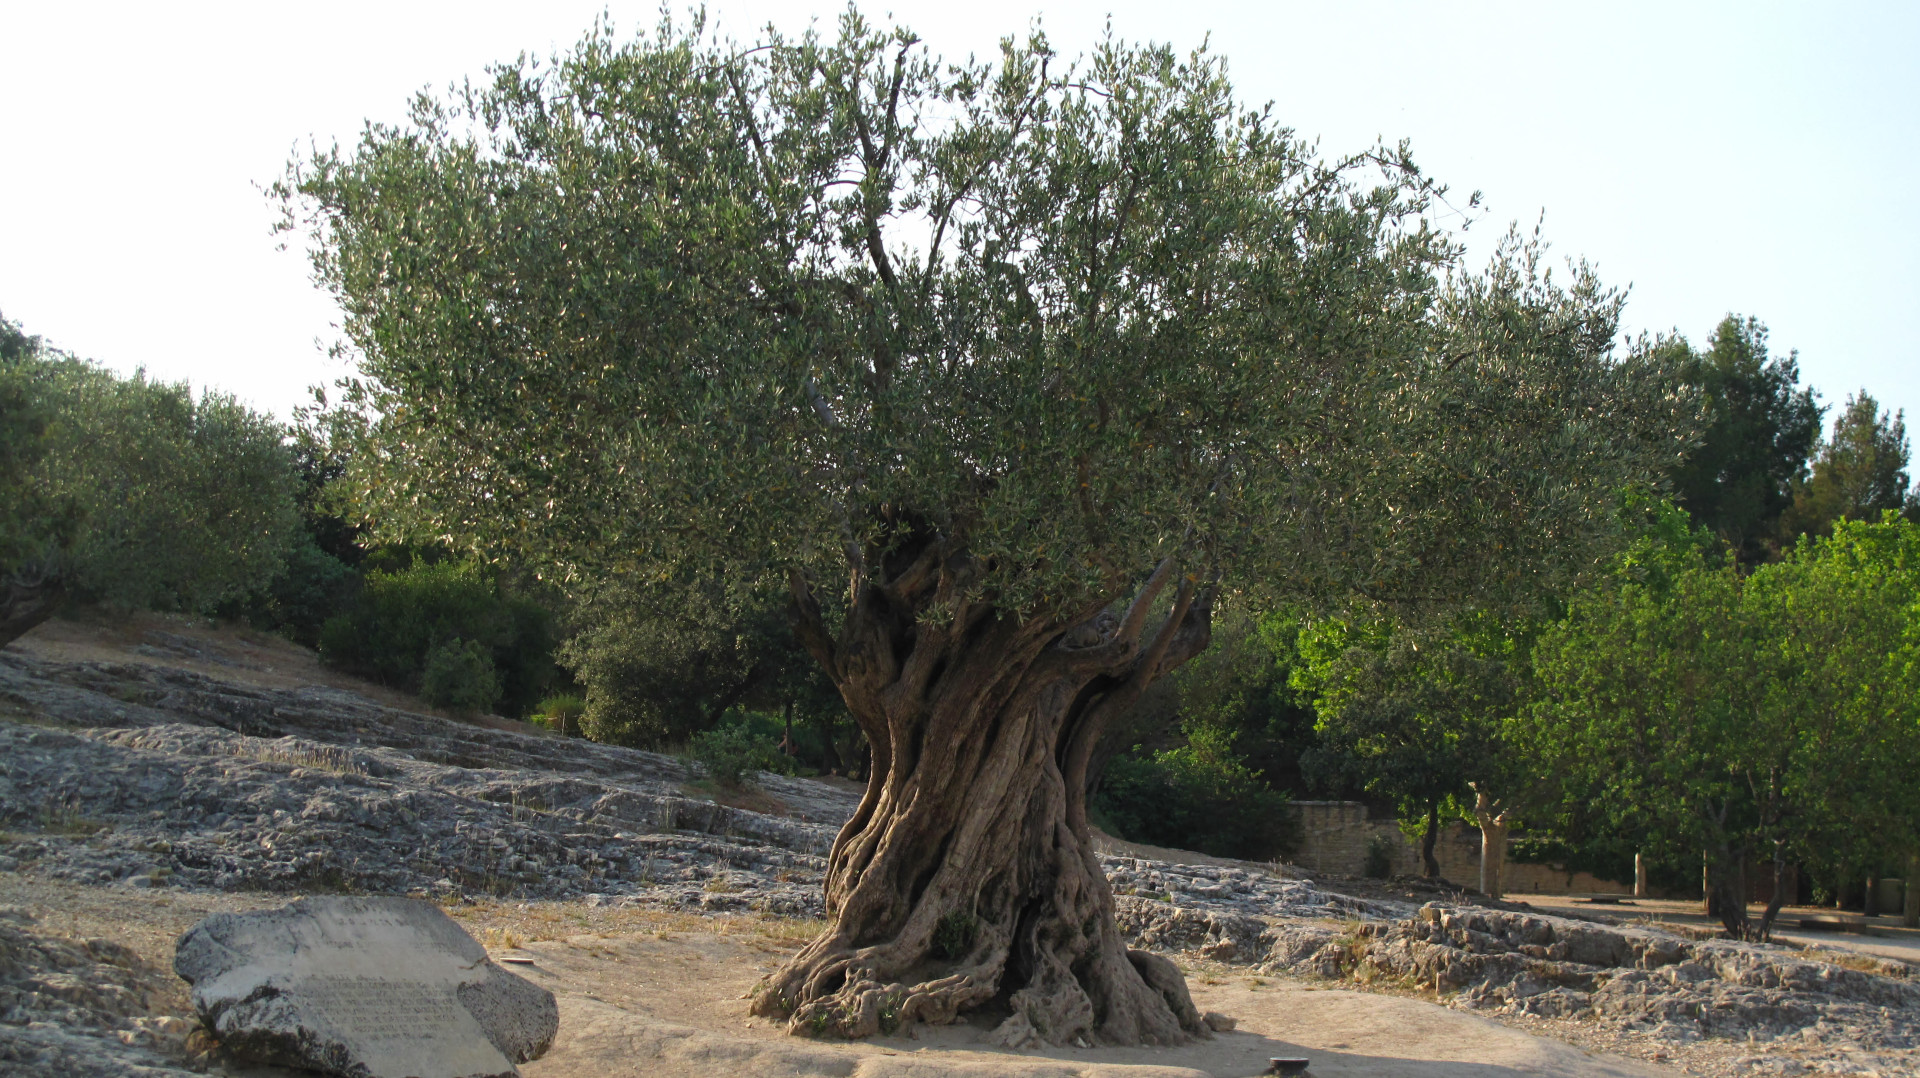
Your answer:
<point x="34" y="527"/>
<point x="459" y="675"/>
<point x="1761" y="424"/>
<point x="561" y="713"/>
<point x="402" y="616"/>
<point x="663" y="661"/>
<point x="1379" y="863"/>
<point x="1766" y="719"/>
<point x="733" y="752"/>
<point x="1859" y="473"/>
<point x="179" y="503"/>
<point x="1200" y="796"/>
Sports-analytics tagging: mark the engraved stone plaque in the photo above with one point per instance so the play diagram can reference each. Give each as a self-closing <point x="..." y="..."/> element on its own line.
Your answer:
<point x="362" y="988"/>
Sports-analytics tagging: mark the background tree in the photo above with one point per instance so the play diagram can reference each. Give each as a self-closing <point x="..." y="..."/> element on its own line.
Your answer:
<point x="1417" y="718"/>
<point x="186" y="502"/>
<point x="36" y="529"/>
<point x="1000" y="369"/>
<point x="1761" y="426"/>
<point x="663" y="661"/>
<point x="1711" y="712"/>
<point x="1861" y="472"/>
<point x="1208" y="756"/>
<point x="446" y="629"/>
<point x="133" y="493"/>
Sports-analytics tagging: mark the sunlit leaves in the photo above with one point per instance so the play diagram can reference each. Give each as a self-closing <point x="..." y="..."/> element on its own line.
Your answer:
<point x="675" y="304"/>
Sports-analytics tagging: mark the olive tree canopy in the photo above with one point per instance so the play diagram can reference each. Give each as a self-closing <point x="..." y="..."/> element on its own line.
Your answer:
<point x="1001" y="369"/>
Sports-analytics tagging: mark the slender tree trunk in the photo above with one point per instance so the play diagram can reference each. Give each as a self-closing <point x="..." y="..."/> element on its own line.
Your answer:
<point x="966" y="880"/>
<point x="1910" y="909"/>
<point x="1727" y="887"/>
<point x="1777" y="899"/>
<point x="830" y="752"/>
<point x="1429" y="864"/>
<point x="1493" y="843"/>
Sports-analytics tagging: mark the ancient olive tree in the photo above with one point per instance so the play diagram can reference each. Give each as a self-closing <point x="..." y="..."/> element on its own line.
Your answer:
<point x="1003" y="369"/>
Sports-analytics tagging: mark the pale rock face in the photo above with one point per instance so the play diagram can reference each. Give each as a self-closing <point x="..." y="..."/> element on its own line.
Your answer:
<point x="362" y="988"/>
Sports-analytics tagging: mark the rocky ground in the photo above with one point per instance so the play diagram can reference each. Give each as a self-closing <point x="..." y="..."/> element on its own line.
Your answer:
<point x="170" y="771"/>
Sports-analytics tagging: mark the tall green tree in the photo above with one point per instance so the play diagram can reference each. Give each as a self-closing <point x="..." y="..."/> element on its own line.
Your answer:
<point x="1860" y="472"/>
<point x="1761" y="427"/>
<point x="132" y="493"/>
<point x="1000" y="369"/>
<point x="1416" y="717"/>
<point x="1754" y="719"/>
<point x="36" y="529"/>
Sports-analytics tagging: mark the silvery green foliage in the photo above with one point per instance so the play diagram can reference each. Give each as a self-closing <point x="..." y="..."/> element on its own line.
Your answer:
<point x="181" y="503"/>
<point x="684" y="304"/>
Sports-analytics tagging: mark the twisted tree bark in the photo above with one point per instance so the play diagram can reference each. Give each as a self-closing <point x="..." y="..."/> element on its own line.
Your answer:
<point x="966" y="879"/>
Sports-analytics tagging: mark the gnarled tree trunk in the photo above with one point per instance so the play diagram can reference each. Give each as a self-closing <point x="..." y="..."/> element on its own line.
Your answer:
<point x="966" y="879"/>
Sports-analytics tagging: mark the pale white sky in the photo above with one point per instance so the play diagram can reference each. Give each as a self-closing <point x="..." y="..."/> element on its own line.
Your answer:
<point x="1754" y="157"/>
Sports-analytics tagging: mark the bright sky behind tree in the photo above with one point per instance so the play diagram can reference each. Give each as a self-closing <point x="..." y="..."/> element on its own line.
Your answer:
<point x="1718" y="157"/>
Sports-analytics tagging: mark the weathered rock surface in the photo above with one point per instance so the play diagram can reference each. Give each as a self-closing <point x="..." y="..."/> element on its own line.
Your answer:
<point x="124" y="775"/>
<point x="81" y="1008"/>
<point x="163" y="777"/>
<point x="362" y="988"/>
<point x="1642" y="980"/>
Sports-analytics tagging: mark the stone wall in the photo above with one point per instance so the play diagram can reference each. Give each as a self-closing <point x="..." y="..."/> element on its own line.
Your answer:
<point x="1335" y="836"/>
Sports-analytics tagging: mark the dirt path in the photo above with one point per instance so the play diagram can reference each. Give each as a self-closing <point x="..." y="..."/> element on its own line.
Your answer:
<point x="666" y="1006"/>
<point x="652" y="994"/>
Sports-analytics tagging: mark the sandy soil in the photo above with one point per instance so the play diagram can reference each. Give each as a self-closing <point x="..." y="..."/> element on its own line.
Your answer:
<point x="654" y="994"/>
<point x="667" y="1004"/>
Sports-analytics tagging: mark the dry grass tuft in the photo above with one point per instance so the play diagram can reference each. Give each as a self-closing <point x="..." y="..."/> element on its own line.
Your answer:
<point x="315" y="757"/>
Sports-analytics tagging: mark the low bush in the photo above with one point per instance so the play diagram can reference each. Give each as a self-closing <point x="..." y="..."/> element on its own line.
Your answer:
<point x="561" y="713"/>
<point x="1379" y="863"/>
<point x="1200" y="796"/>
<point x="732" y="752"/>
<point x="459" y="676"/>
<point x="401" y="617"/>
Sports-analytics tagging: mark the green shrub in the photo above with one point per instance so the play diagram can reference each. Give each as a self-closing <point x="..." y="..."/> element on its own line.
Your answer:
<point x="732" y="752"/>
<point x="953" y="935"/>
<point x="459" y="675"/>
<point x="400" y="616"/>
<point x="1200" y="796"/>
<point x="311" y="587"/>
<point x="561" y="713"/>
<point x="661" y="661"/>
<point x="1379" y="863"/>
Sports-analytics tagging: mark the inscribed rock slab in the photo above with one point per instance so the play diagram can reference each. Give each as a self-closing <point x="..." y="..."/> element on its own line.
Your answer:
<point x="362" y="988"/>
